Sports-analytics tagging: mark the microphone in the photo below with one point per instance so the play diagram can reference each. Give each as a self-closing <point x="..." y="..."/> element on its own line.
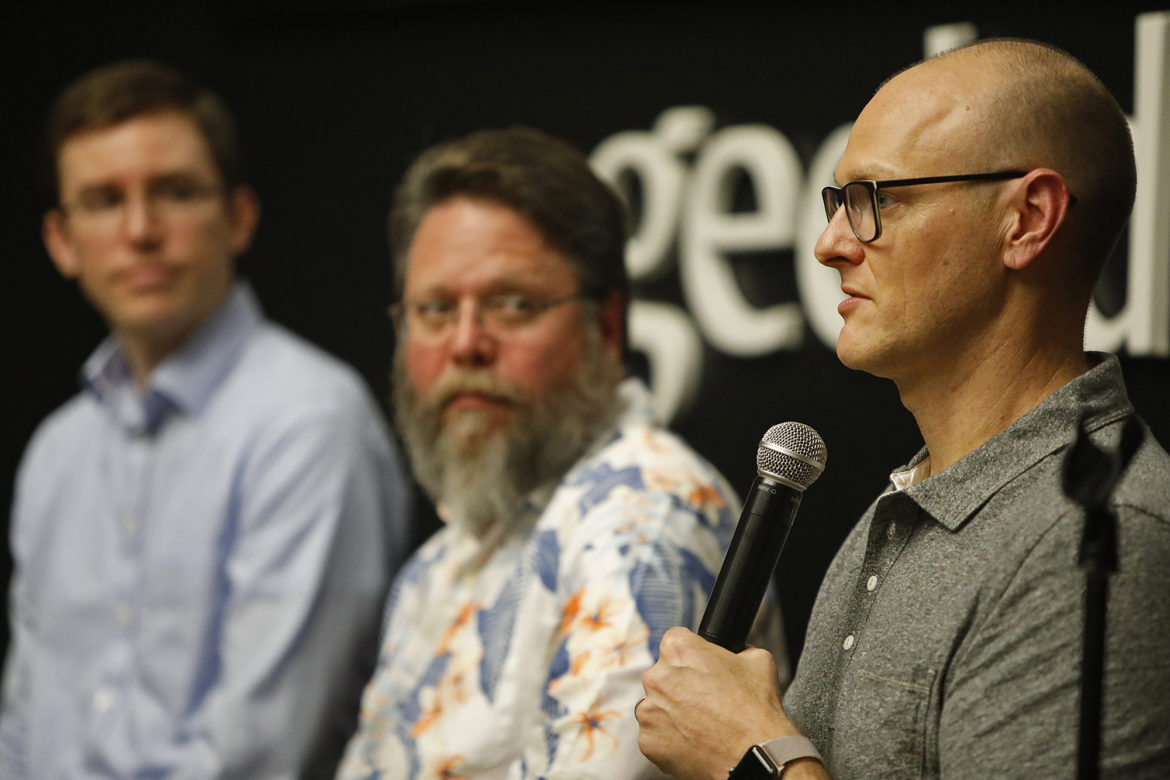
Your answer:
<point x="790" y="457"/>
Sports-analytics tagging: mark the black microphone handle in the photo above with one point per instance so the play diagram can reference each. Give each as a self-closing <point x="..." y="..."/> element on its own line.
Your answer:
<point x="747" y="568"/>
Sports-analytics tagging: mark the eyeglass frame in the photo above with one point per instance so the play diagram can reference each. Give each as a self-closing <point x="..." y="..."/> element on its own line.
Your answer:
<point x="872" y="186"/>
<point x="399" y="309"/>
<point x="164" y="197"/>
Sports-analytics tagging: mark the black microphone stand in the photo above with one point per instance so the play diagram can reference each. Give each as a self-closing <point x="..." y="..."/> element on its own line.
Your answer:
<point x="1089" y="478"/>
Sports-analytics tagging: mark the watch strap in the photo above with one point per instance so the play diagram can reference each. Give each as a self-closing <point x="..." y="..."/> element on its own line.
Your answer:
<point x="783" y="750"/>
<point x="767" y="759"/>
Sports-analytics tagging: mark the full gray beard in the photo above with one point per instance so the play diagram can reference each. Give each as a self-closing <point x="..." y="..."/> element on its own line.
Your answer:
<point x="482" y="476"/>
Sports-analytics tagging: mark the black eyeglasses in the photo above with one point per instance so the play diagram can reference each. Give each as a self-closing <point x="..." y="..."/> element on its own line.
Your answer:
<point x="860" y="198"/>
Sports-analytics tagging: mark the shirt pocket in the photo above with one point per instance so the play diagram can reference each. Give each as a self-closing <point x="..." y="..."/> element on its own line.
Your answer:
<point x="884" y="717"/>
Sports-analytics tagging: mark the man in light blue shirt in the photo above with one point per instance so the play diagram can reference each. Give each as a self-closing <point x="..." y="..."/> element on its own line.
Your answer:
<point x="203" y="536"/>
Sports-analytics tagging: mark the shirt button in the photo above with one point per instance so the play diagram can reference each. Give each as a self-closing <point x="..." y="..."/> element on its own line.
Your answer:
<point x="848" y="643"/>
<point x="871" y="583"/>
<point x="893" y="529"/>
<point x="125" y="614"/>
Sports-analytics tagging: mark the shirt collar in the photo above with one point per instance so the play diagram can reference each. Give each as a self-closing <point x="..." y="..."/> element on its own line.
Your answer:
<point x="958" y="492"/>
<point x="186" y="380"/>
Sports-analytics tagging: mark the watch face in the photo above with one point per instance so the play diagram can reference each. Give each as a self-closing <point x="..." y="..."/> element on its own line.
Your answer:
<point x="755" y="765"/>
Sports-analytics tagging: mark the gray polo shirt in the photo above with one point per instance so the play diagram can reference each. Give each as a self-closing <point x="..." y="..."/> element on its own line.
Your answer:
<point x="946" y="637"/>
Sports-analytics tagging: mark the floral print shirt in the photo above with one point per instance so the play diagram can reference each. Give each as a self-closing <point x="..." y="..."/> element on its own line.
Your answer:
<point x="525" y="661"/>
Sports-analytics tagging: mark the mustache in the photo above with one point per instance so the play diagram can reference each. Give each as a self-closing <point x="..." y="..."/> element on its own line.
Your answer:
<point x="460" y="381"/>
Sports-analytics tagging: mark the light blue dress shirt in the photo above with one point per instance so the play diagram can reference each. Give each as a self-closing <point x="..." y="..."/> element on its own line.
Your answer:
<point x="200" y="567"/>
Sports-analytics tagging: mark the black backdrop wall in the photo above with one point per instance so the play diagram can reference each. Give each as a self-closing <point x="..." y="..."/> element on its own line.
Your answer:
<point x="708" y="115"/>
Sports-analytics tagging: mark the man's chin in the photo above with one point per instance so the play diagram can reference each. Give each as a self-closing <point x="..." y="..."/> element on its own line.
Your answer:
<point x="473" y="427"/>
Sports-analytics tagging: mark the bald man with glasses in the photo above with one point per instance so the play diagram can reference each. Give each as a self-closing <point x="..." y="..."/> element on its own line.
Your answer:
<point x="946" y="639"/>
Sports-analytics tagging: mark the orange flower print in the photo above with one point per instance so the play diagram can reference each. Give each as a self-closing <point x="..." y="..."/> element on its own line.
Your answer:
<point x="617" y="653"/>
<point x="706" y="496"/>
<point x="630" y="528"/>
<point x="600" y="618"/>
<point x="450" y="769"/>
<point x="572" y="608"/>
<point x="466" y="613"/>
<point x="576" y="667"/>
<point x="456" y="683"/>
<point x="590" y="725"/>
<point x="428" y="718"/>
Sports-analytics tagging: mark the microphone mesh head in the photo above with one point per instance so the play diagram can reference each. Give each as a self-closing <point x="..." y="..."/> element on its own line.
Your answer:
<point x="792" y="453"/>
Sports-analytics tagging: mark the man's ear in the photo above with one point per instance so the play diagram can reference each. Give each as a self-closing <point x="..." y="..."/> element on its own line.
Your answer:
<point x="1038" y="209"/>
<point x="243" y="213"/>
<point x="612" y="319"/>
<point x="58" y="242"/>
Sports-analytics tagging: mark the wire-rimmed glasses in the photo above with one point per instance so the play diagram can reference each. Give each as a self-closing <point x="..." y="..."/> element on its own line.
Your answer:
<point x="435" y="317"/>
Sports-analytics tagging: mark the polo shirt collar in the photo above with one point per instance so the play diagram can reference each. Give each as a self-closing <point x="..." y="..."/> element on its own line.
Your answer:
<point x="956" y="494"/>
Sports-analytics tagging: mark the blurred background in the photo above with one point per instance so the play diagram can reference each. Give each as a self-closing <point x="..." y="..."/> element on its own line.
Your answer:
<point x="719" y="122"/>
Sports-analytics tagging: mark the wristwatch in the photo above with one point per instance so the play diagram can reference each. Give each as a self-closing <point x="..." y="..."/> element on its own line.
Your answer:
<point x="767" y="760"/>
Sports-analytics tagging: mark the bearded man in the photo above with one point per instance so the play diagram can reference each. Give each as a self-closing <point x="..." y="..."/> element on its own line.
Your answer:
<point x="576" y="530"/>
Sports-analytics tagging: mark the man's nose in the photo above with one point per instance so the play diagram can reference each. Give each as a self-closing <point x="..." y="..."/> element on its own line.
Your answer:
<point x="838" y="242"/>
<point x="471" y="342"/>
<point x="141" y="220"/>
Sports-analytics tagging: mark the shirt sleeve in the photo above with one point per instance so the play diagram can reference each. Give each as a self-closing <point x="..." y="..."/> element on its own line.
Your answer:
<point x="642" y="560"/>
<point x="15" y="703"/>
<point x="13" y="706"/>
<point x="1012" y="705"/>
<point x="318" y="530"/>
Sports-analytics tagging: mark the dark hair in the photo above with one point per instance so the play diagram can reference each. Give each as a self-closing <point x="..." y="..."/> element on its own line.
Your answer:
<point x="117" y="93"/>
<point x="543" y="178"/>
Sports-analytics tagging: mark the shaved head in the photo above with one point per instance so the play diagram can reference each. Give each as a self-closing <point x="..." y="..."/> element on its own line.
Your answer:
<point x="966" y="263"/>
<point x="1003" y="103"/>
